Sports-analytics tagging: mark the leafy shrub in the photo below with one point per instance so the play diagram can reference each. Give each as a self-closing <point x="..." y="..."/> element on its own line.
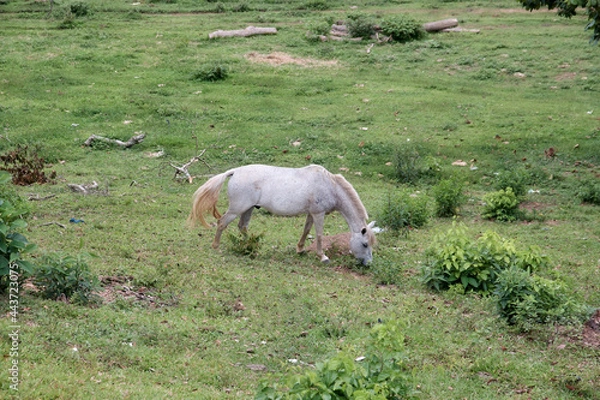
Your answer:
<point x="360" y="25"/>
<point x="316" y="5"/>
<point x="589" y="192"/>
<point x="456" y="259"/>
<point x="525" y="299"/>
<point x="402" y="28"/>
<point x="448" y="195"/>
<point x="13" y="245"/>
<point x="61" y="275"/>
<point x="517" y="179"/>
<point x="211" y="73"/>
<point x="79" y="9"/>
<point x="502" y="205"/>
<point x="411" y="168"/>
<point x="242" y="7"/>
<point x="404" y="211"/>
<point x="245" y="244"/>
<point x="380" y="375"/>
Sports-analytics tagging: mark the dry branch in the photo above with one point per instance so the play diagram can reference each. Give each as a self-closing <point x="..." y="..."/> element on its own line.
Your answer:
<point x="38" y="198"/>
<point x="437" y="26"/>
<point x="183" y="170"/>
<point x="249" y="31"/>
<point x="85" y="189"/>
<point x="131" y="142"/>
<point x="53" y="223"/>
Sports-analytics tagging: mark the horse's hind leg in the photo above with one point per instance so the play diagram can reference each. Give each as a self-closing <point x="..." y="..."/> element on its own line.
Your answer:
<point x="307" y="227"/>
<point x="221" y="225"/>
<point x="245" y="220"/>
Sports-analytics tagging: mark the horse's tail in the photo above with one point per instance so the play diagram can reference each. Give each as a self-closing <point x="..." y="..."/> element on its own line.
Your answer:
<point x="205" y="199"/>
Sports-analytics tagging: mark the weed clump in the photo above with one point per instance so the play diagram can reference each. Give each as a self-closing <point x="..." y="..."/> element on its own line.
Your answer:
<point x="26" y="166"/>
<point x="449" y="197"/>
<point x="502" y="205"/>
<point x="211" y="73"/>
<point x="411" y="167"/>
<point x="245" y="244"/>
<point x="402" y="28"/>
<point x="360" y="25"/>
<point x="405" y="211"/>
<point x="589" y="192"/>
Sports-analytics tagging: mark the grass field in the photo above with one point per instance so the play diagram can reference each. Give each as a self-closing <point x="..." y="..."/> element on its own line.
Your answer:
<point x="181" y="320"/>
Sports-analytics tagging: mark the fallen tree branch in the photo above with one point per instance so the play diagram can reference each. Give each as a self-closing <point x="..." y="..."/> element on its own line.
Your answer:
<point x="183" y="170"/>
<point x="85" y="189"/>
<point x="38" y="198"/>
<point x="53" y="223"/>
<point x="249" y="31"/>
<point x="437" y="26"/>
<point x="131" y="142"/>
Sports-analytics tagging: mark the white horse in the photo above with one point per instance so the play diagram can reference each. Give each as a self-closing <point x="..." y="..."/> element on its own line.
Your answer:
<point x="311" y="190"/>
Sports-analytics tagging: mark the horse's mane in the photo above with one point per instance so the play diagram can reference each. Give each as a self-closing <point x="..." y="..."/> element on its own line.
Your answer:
<point x="352" y="195"/>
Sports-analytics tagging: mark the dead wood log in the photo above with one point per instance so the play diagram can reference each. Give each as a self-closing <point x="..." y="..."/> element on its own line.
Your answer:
<point x="131" y="142"/>
<point x="437" y="26"/>
<point x="459" y="29"/>
<point x="183" y="170"/>
<point x="249" y="31"/>
<point x="85" y="189"/>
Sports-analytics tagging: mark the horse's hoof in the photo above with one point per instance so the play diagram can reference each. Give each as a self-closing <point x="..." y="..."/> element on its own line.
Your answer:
<point x="325" y="260"/>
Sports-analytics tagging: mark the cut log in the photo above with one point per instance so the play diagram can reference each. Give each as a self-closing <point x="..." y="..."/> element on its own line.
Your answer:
<point x="437" y="26"/>
<point x="249" y="31"/>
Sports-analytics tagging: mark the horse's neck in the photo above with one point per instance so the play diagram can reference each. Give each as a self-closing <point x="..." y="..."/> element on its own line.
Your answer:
<point x="353" y="213"/>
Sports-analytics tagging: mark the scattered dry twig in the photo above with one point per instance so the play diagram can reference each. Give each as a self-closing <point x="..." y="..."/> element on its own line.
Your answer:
<point x="131" y="142"/>
<point x="183" y="170"/>
<point x="53" y="223"/>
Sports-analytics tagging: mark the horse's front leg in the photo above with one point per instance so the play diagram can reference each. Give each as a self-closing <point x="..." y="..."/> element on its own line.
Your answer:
<point x="307" y="227"/>
<point x="319" y="221"/>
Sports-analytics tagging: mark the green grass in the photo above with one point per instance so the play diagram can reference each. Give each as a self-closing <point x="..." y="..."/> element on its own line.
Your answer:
<point x="173" y="326"/>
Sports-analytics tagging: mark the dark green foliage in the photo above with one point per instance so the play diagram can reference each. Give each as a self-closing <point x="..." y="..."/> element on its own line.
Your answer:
<point x="525" y="299"/>
<point x="245" y="244"/>
<point x="13" y="245"/>
<point x="455" y="259"/>
<point x="61" y="275"/>
<point x="242" y="7"/>
<point x="360" y="25"/>
<point x="404" y="211"/>
<point x="589" y="191"/>
<point x="517" y="179"/>
<point x="402" y="28"/>
<point x="211" y="73"/>
<point x="79" y="9"/>
<point x="502" y="205"/>
<point x="449" y="196"/>
<point x="316" y="5"/>
<point x="412" y="167"/>
<point x="381" y="374"/>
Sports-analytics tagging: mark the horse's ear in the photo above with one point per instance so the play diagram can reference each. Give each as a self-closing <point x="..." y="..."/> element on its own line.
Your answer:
<point x="363" y="231"/>
<point x="371" y="224"/>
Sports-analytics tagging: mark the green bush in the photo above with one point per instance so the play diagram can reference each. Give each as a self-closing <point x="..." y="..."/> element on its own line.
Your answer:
<point x="502" y="205"/>
<point x="360" y="25"/>
<point x="61" y="275"/>
<point x="524" y="299"/>
<point x="411" y="167"/>
<point x="404" y="211"/>
<point x="13" y="245"/>
<point x="589" y="192"/>
<point x="449" y="197"/>
<point x="380" y="375"/>
<point x="454" y="258"/>
<point x="517" y="179"/>
<point x="211" y="73"/>
<point x="402" y="28"/>
<point x="245" y="244"/>
<point x="79" y="9"/>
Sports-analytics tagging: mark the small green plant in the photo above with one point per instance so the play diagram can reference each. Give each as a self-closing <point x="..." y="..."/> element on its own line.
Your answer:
<point x="65" y="276"/>
<point x="245" y="244"/>
<point x="456" y="259"/>
<point x="524" y="299"/>
<point x="411" y="167"/>
<point x="211" y="73"/>
<point x="402" y="28"/>
<point x="502" y="205"/>
<point x="360" y="25"/>
<point x="13" y="245"/>
<point x="517" y="179"/>
<point x="79" y="9"/>
<point x="404" y="211"/>
<point x="381" y="373"/>
<point x="449" y="197"/>
<point x="316" y="5"/>
<point x="589" y="192"/>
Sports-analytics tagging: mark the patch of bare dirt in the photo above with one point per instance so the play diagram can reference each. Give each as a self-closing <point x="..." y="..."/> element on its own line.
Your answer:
<point x="278" y="58"/>
<point x="591" y="331"/>
<point x="120" y="287"/>
<point x="565" y="76"/>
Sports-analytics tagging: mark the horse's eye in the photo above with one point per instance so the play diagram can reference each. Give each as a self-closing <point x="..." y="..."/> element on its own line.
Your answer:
<point x="365" y="245"/>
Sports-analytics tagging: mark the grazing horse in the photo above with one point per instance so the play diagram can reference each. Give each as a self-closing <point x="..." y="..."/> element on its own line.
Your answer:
<point x="311" y="190"/>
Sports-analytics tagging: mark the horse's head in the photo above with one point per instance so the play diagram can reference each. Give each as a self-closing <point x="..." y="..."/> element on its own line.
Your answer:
<point x="361" y="244"/>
